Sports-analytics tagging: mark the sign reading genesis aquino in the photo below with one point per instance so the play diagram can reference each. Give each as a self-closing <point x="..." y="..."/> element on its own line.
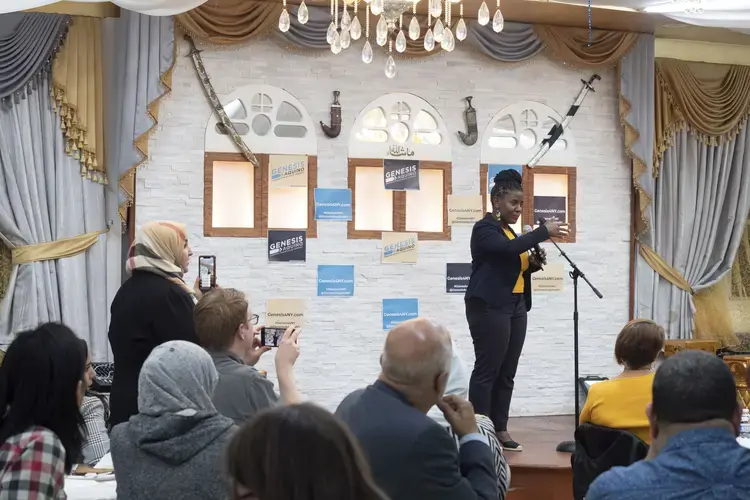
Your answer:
<point x="287" y="170"/>
<point x="457" y="277"/>
<point x="335" y="281"/>
<point x="397" y="311"/>
<point x="333" y="204"/>
<point x="399" y="247"/>
<point x="287" y="246"/>
<point x="400" y="175"/>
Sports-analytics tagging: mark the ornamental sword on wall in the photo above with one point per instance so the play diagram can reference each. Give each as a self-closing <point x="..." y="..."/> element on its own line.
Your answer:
<point x="335" y="129"/>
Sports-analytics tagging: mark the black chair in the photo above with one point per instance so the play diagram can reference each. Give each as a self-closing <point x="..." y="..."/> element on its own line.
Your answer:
<point x="598" y="449"/>
<point x="103" y="374"/>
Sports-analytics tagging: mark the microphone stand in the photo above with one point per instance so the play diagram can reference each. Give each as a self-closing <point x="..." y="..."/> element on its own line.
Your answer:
<point x="570" y="446"/>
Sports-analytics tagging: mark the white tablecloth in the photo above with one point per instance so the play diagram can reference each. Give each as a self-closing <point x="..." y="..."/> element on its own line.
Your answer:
<point x="79" y="488"/>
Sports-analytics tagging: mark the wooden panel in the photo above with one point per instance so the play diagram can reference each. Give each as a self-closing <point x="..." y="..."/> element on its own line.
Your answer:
<point x="351" y="233"/>
<point x="672" y="347"/>
<point x="208" y="196"/>
<point x="484" y="170"/>
<point x="739" y="366"/>
<point x="312" y="183"/>
<point x="447" y="169"/>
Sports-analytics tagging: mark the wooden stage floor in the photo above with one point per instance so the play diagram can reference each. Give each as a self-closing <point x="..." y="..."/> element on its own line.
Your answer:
<point x="539" y="472"/>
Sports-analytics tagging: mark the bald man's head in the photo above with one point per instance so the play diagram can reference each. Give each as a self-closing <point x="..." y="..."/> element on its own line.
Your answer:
<point x="416" y="353"/>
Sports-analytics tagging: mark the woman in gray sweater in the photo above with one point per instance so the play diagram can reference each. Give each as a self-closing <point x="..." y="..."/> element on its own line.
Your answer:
<point x="174" y="447"/>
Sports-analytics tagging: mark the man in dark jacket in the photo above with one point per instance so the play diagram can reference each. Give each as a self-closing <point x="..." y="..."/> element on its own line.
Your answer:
<point x="411" y="456"/>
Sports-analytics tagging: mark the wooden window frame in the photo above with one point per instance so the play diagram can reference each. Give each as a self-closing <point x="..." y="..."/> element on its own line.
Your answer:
<point x="528" y="194"/>
<point x="260" y="214"/>
<point x="399" y="202"/>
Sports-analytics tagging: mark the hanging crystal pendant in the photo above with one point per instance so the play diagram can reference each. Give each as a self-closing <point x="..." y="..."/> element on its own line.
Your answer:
<point x="438" y="31"/>
<point x="381" y="32"/>
<point x="390" y="67"/>
<point x="483" y="16"/>
<point x="346" y="39"/>
<point x="346" y="21"/>
<point x="429" y="40"/>
<point x="436" y="8"/>
<point x="461" y="30"/>
<point x="376" y="7"/>
<point x="336" y="45"/>
<point x="302" y="14"/>
<point x="329" y="34"/>
<point x="498" y="22"/>
<point x="449" y="42"/>
<point x="284" y="21"/>
<point x="367" y="52"/>
<point x="400" y="41"/>
<point x="355" y="30"/>
<point x="414" y="28"/>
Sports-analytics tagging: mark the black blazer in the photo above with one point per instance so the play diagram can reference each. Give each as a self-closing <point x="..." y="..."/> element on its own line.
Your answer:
<point x="411" y="456"/>
<point x="147" y="311"/>
<point x="496" y="262"/>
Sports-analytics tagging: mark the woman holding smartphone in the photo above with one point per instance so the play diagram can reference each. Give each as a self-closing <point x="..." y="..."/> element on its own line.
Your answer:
<point x="498" y="298"/>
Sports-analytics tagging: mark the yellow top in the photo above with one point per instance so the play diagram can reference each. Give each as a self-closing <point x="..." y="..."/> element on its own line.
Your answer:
<point x="620" y="404"/>
<point x="524" y="264"/>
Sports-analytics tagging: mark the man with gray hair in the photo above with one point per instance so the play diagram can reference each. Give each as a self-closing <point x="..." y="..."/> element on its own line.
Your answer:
<point x="411" y="456"/>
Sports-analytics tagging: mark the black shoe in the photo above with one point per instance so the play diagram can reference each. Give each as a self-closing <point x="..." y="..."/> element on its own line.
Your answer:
<point x="511" y="445"/>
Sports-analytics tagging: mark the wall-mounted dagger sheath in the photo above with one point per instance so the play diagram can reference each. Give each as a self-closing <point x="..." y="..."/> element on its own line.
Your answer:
<point x="471" y="124"/>
<point x="335" y="129"/>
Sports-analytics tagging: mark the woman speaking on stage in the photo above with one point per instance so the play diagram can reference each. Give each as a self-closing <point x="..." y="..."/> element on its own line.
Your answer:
<point x="498" y="298"/>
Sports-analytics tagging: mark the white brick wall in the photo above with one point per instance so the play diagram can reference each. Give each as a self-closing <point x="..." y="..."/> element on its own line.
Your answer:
<point x="343" y="337"/>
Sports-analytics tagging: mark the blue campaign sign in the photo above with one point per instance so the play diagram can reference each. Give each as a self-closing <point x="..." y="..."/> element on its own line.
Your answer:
<point x="397" y="311"/>
<point x="493" y="169"/>
<point x="335" y="281"/>
<point x="333" y="204"/>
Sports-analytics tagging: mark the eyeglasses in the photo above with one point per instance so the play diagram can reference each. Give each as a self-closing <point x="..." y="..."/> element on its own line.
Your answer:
<point x="254" y="319"/>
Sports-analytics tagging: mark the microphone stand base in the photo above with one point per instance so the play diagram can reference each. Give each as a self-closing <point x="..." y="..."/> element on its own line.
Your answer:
<point x="566" y="447"/>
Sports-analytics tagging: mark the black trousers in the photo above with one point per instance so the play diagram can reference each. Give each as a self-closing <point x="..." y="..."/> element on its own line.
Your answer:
<point x="498" y="335"/>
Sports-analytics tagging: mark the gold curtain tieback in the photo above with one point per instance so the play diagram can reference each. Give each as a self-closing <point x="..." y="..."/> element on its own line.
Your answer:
<point x="669" y="273"/>
<point x="53" y="250"/>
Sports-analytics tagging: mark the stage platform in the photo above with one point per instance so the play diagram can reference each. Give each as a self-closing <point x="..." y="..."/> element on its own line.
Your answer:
<point x="539" y="472"/>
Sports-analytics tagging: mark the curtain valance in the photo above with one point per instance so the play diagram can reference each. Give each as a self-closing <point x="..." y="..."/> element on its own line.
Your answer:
<point x="27" y="44"/>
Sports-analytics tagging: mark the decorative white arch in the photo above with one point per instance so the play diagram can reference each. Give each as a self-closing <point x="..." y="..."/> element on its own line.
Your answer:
<point x="514" y="135"/>
<point x="269" y="119"/>
<point x="400" y="124"/>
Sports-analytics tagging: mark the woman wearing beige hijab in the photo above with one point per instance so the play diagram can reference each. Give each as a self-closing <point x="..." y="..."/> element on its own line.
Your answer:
<point x="153" y="306"/>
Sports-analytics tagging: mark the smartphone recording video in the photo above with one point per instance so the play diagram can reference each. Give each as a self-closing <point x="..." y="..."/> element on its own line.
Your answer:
<point x="207" y="272"/>
<point x="271" y="336"/>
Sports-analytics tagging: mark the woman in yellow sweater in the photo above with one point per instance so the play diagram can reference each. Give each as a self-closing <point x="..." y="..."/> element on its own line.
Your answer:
<point x="620" y="403"/>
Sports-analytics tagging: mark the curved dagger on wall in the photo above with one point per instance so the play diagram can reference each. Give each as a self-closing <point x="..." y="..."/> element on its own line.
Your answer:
<point x="335" y="129"/>
<point x="471" y="124"/>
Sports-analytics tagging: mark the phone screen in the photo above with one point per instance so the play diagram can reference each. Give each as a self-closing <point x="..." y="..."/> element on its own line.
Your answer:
<point x="207" y="270"/>
<point x="271" y="336"/>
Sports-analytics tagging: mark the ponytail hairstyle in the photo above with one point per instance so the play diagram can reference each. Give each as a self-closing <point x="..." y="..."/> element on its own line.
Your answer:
<point x="506" y="181"/>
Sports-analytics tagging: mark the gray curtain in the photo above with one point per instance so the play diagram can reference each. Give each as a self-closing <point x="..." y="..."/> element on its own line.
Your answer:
<point x="44" y="198"/>
<point x="517" y="42"/>
<point x="138" y="50"/>
<point x="28" y="42"/>
<point x="701" y="201"/>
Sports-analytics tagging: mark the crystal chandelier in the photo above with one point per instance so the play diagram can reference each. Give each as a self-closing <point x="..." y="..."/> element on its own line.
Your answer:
<point x="690" y="6"/>
<point x="390" y="30"/>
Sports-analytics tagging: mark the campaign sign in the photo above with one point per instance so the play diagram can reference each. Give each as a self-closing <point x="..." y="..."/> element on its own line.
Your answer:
<point x="335" y="281"/>
<point x="457" y="277"/>
<point x="400" y="175"/>
<point x="397" y="311"/>
<point x="333" y="204"/>
<point x="287" y="246"/>
<point x="548" y="207"/>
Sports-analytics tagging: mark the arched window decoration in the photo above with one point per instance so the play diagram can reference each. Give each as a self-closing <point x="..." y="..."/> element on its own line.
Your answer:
<point x="511" y="139"/>
<point x="239" y="198"/>
<point x="403" y="123"/>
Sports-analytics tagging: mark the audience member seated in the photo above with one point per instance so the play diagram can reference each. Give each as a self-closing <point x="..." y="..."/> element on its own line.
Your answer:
<point x="458" y="384"/>
<point x="620" y="403"/>
<point x="153" y="306"/>
<point x="174" y="448"/>
<point x="223" y="321"/>
<point x="42" y="382"/>
<point x="411" y="455"/>
<point x="95" y="411"/>
<point x="298" y="452"/>
<point x="694" y="455"/>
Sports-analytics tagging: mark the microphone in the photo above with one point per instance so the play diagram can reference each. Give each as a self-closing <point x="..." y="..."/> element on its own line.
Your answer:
<point x="537" y="249"/>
